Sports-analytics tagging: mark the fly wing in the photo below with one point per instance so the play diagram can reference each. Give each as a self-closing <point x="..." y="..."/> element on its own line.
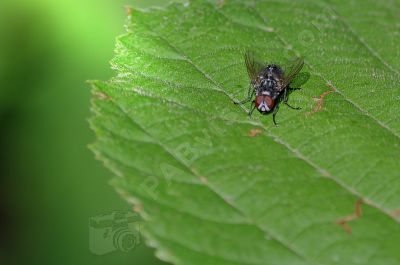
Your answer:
<point x="253" y="66"/>
<point x="292" y="71"/>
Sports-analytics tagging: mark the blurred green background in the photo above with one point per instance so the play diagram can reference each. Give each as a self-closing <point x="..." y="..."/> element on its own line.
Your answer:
<point x="50" y="183"/>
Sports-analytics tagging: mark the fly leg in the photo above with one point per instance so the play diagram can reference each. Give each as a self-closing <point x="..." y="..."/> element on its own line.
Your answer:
<point x="252" y="109"/>
<point x="274" y="114"/>
<point x="286" y="98"/>
<point x="242" y="101"/>
<point x="250" y="95"/>
<point x="297" y="108"/>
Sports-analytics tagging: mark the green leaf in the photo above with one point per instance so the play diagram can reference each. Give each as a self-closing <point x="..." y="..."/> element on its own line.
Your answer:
<point x="217" y="187"/>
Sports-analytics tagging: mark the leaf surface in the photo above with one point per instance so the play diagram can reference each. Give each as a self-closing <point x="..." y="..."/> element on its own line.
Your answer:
<point x="217" y="187"/>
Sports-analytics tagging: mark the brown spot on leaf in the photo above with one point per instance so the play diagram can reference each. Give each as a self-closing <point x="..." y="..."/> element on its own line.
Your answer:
<point x="254" y="132"/>
<point x="395" y="213"/>
<point x="137" y="208"/>
<point x="343" y="222"/>
<point x="123" y="193"/>
<point x="203" y="180"/>
<point x="101" y="95"/>
<point x="320" y="100"/>
<point x="128" y="10"/>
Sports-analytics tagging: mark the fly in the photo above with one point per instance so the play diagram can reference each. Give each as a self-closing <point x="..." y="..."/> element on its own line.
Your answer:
<point x="269" y="84"/>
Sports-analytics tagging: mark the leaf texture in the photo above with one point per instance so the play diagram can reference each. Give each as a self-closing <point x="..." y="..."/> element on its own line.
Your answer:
<point x="214" y="192"/>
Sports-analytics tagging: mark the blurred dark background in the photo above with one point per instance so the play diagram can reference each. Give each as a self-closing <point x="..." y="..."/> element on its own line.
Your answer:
<point x="50" y="184"/>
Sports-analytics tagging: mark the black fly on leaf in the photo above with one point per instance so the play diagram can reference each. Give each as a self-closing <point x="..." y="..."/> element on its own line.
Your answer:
<point x="269" y="84"/>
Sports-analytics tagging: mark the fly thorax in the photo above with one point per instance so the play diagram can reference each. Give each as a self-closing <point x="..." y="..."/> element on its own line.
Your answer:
<point x="269" y="82"/>
<point x="266" y="93"/>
